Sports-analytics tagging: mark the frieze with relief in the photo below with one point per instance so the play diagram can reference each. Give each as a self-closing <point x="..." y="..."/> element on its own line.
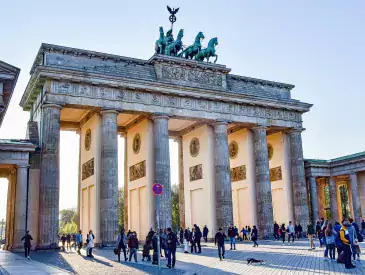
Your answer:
<point x="238" y="173"/>
<point x="137" y="171"/>
<point x="88" y="140"/>
<point x="276" y="174"/>
<point x="88" y="169"/>
<point x="196" y="172"/>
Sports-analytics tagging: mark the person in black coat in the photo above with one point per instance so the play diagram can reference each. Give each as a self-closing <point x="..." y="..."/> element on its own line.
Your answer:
<point x="171" y="243"/>
<point x="276" y="231"/>
<point x="198" y="236"/>
<point x="205" y="233"/>
<point x="255" y="236"/>
<point x="27" y="244"/>
<point x="219" y="240"/>
<point x="181" y="235"/>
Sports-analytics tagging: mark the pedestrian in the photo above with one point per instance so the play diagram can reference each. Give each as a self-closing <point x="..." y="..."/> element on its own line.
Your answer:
<point x="205" y="233"/>
<point x="345" y="240"/>
<point x="318" y="231"/>
<point x="338" y="243"/>
<point x="150" y="235"/>
<point x="79" y="241"/>
<point x="323" y="235"/>
<point x="353" y="238"/>
<point x="300" y="231"/>
<point x="73" y="237"/>
<point x="244" y="234"/>
<point x="163" y="247"/>
<point x="291" y="232"/>
<point x="283" y="232"/>
<point x="146" y="251"/>
<point x="27" y="244"/>
<point x="231" y="234"/>
<point x="186" y="240"/>
<point x="255" y="236"/>
<point x="155" y="250"/>
<point x="249" y="233"/>
<point x="192" y="240"/>
<point x="133" y="246"/>
<point x="276" y="231"/>
<point x="198" y="236"/>
<point x="236" y="235"/>
<point x="219" y="240"/>
<point x="310" y="234"/>
<point x="90" y="244"/>
<point x="330" y="234"/>
<point x="171" y="248"/>
<point x="122" y="244"/>
<point x="68" y="241"/>
<point x="181" y="232"/>
<point x="63" y="240"/>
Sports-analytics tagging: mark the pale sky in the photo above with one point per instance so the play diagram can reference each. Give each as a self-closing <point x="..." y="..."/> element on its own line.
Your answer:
<point x="316" y="45"/>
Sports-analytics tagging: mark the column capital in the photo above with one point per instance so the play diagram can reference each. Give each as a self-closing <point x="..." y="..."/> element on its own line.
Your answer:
<point x="51" y="105"/>
<point x="109" y="111"/>
<point x="220" y="122"/>
<point x="159" y="116"/>
<point x="22" y="166"/>
<point x="353" y="174"/>
<point x="295" y="130"/>
<point x="259" y="127"/>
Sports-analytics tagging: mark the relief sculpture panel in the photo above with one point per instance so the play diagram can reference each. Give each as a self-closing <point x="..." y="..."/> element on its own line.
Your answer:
<point x="88" y="169"/>
<point x="196" y="172"/>
<point x="275" y="174"/>
<point x="238" y="173"/>
<point x="137" y="171"/>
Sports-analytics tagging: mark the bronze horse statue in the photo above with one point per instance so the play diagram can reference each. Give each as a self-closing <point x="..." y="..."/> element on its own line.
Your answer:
<point x="194" y="49"/>
<point x="209" y="51"/>
<point x="174" y="47"/>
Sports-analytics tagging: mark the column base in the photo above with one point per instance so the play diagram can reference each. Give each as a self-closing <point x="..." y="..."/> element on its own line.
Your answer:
<point x="48" y="247"/>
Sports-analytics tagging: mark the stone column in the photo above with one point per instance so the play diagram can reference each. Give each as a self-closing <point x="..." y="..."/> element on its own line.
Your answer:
<point x="126" y="191"/>
<point x="49" y="188"/>
<point x="20" y="205"/>
<point x="301" y="211"/>
<point x="355" y="197"/>
<point x="314" y="199"/>
<point x="108" y="189"/>
<point x="162" y="166"/>
<point x="223" y="188"/>
<point x="333" y="195"/>
<point x="181" y="183"/>
<point x="263" y="185"/>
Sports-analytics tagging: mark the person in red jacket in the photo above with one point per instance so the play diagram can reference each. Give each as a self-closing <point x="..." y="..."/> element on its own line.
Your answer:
<point x="133" y="246"/>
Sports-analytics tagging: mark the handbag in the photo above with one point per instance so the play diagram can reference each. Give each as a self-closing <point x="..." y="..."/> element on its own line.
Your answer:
<point x="360" y="238"/>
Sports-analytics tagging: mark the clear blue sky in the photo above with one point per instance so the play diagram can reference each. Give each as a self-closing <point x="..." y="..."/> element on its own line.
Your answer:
<point x="316" y="45"/>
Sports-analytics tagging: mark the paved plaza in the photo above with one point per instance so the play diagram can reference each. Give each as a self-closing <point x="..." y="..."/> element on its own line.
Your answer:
<point x="279" y="260"/>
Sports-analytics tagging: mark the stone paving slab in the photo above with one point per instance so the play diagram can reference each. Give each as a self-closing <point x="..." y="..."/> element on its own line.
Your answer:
<point x="278" y="260"/>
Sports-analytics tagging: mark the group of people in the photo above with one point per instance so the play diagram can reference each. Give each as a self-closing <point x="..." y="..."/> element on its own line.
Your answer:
<point x="290" y="230"/>
<point x="344" y="238"/>
<point x="75" y="240"/>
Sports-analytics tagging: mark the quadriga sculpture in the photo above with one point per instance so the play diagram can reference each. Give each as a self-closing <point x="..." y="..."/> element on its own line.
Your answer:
<point x="174" y="47"/>
<point x="209" y="51"/>
<point x="194" y="49"/>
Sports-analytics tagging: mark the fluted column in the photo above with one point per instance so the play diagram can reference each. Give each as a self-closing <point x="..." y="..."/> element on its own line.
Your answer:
<point x="109" y="178"/>
<point x="301" y="211"/>
<point x="333" y="195"/>
<point x="162" y="166"/>
<point x="20" y="205"/>
<point x="263" y="185"/>
<point x="49" y="186"/>
<point x="223" y="188"/>
<point x="355" y="197"/>
<point x="314" y="198"/>
<point x="181" y="183"/>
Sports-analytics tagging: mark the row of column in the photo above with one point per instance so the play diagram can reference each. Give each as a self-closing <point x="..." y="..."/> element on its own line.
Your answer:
<point x="49" y="180"/>
<point x="333" y="198"/>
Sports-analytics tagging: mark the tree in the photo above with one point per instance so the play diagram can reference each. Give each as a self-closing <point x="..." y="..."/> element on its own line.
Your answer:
<point x="175" y="207"/>
<point x="68" y="221"/>
<point x="121" y="207"/>
<point x="344" y="201"/>
<point x="327" y="200"/>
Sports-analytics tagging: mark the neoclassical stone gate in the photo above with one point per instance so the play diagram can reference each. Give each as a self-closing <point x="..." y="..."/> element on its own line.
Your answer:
<point x="240" y="147"/>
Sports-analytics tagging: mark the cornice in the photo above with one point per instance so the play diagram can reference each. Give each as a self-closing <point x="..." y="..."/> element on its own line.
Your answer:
<point x="43" y="72"/>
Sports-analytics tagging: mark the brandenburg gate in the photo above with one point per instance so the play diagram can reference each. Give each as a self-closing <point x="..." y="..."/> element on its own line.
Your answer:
<point x="240" y="145"/>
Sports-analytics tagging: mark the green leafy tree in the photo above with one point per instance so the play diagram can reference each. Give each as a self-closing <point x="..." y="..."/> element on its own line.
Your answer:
<point x="327" y="200"/>
<point x="121" y="207"/>
<point x="175" y="207"/>
<point x="68" y="221"/>
<point x="344" y="201"/>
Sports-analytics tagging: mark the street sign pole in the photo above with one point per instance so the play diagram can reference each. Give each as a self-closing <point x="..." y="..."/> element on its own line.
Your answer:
<point x="158" y="233"/>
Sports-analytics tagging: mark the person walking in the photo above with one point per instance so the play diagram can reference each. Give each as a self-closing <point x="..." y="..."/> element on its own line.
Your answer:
<point x="276" y="231"/>
<point x="310" y="234"/>
<point x="155" y="250"/>
<point x="291" y="232"/>
<point x="122" y="244"/>
<point x="338" y="243"/>
<point x="330" y="234"/>
<point x="68" y="241"/>
<point x="300" y="231"/>
<point x="205" y="233"/>
<point x="163" y="236"/>
<point x="90" y="244"/>
<point x="192" y="240"/>
<point x="345" y="241"/>
<point x="231" y="234"/>
<point x="323" y="234"/>
<point x="186" y="240"/>
<point x="219" y="240"/>
<point x="181" y="233"/>
<point x="79" y="241"/>
<point x="133" y="246"/>
<point x="353" y="238"/>
<point x="171" y="248"/>
<point x="27" y="244"/>
<point x="249" y="233"/>
<point x="283" y="232"/>
<point x="63" y="240"/>
<point x="198" y="236"/>
<point x="255" y="236"/>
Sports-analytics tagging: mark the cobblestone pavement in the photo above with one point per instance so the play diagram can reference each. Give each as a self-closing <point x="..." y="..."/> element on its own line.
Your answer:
<point x="279" y="260"/>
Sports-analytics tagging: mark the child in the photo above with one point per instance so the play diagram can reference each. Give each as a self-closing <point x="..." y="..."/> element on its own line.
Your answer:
<point x="146" y="251"/>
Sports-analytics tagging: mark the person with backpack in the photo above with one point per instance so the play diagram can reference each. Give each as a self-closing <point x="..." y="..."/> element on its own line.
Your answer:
<point x="330" y="234"/>
<point x="346" y="245"/>
<point x="171" y="248"/>
<point x="27" y="244"/>
<point x="122" y="244"/>
<point x="219" y="240"/>
<point x="310" y="234"/>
